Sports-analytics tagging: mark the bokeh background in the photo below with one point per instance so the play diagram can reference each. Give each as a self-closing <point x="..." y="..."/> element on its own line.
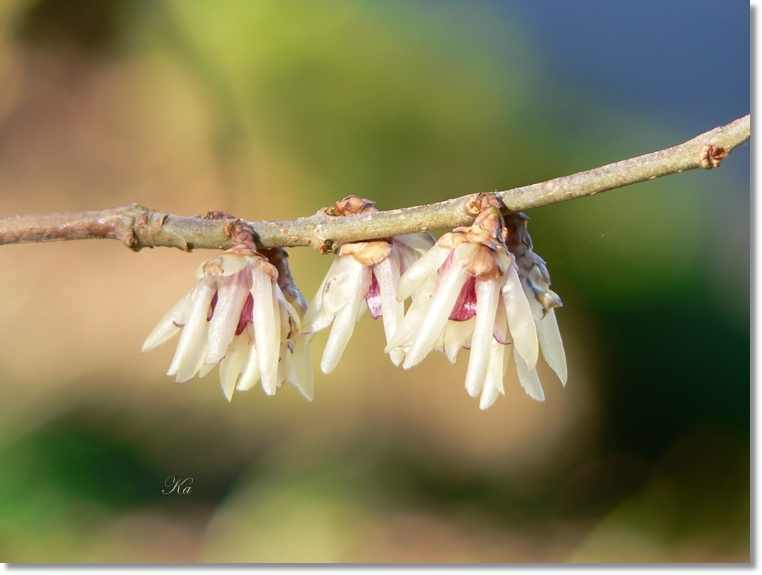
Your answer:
<point x="273" y="109"/>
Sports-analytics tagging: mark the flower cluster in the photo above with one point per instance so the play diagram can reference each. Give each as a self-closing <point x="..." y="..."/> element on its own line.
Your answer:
<point x="480" y="287"/>
<point x="363" y="276"/>
<point x="244" y="313"/>
<point x="483" y="288"/>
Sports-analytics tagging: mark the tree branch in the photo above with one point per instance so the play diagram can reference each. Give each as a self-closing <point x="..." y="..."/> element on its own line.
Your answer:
<point x="138" y="227"/>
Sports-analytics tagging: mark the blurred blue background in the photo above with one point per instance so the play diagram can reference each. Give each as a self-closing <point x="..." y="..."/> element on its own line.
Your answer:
<point x="271" y="110"/>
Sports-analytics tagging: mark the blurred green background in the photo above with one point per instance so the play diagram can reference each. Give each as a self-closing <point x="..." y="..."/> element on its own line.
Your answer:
<point x="273" y="109"/>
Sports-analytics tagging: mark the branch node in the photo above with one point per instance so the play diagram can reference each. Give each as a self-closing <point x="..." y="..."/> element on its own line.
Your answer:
<point x="326" y="247"/>
<point x="471" y="206"/>
<point x="147" y="228"/>
<point x="351" y="205"/>
<point x="477" y="203"/>
<point x="218" y="215"/>
<point x="711" y="156"/>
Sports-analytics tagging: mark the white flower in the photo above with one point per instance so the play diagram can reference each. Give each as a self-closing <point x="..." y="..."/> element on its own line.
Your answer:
<point x="238" y="317"/>
<point x="363" y="275"/>
<point x="472" y="294"/>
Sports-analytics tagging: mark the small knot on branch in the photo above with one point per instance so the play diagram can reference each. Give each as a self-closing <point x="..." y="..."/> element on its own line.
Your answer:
<point x="711" y="156"/>
<point x="477" y="203"/>
<point x="145" y="228"/>
<point x="351" y="206"/>
<point x="325" y="247"/>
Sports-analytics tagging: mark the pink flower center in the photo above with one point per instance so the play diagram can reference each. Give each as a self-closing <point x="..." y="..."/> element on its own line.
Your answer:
<point x="246" y="313"/>
<point x="465" y="306"/>
<point x="373" y="297"/>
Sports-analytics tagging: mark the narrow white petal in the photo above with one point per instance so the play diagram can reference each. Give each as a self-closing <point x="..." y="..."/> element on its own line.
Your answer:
<point x="167" y="326"/>
<point x="412" y="320"/>
<point x="301" y="341"/>
<point x="206" y="369"/>
<point x="407" y="256"/>
<point x="319" y="323"/>
<point x="195" y="325"/>
<point x="337" y="292"/>
<point x="234" y="263"/>
<point x="282" y="365"/>
<point x="251" y="374"/>
<point x="416" y="274"/>
<point x="397" y="356"/>
<point x="227" y="263"/>
<point x="489" y="395"/>
<point x="528" y="378"/>
<point x="537" y="310"/>
<point x="266" y="330"/>
<point x="551" y="344"/>
<point x="455" y="335"/>
<point x="487" y="296"/>
<point x="387" y="274"/>
<point x="283" y="315"/>
<point x="464" y="253"/>
<point x="437" y="313"/>
<point x="421" y="242"/>
<point x="340" y="289"/>
<point x="195" y="362"/>
<point x="344" y="324"/>
<point x="363" y="304"/>
<point x="493" y="384"/>
<point x="291" y="323"/>
<point x="231" y="365"/>
<point x="299" y="371"/>
<point x="520" y="318"/>
<point x="159" y="335"/>
<point x="231" y="296"/>
<point x="315" y="308"/>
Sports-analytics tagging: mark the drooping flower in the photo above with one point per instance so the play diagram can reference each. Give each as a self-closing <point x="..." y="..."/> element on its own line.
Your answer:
<point x="483" y="288"/>
<point x="363" y="275"/>
<point x="243" y="314"/>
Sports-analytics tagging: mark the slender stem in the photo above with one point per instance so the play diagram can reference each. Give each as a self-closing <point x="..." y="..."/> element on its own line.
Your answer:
<point x="139" y="227"/>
